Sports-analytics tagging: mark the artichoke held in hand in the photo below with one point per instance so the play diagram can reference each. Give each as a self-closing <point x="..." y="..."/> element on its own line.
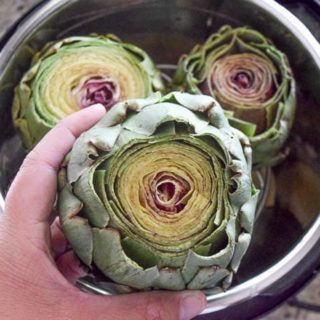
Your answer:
<point x="158" y="194"/>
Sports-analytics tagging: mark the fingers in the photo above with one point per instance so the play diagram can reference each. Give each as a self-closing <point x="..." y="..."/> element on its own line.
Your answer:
<point x="67" y="263"/>
<point x="59" y="243"/>
<point x="33" y="191"/>
<point x="70" y="267"/>
<point x="155" y="305"/>
<point x="143" y="306"/>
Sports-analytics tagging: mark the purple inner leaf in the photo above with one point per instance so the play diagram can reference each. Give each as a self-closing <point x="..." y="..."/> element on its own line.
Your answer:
<point x="242" y="80"/>
<point x="99" y="90"/>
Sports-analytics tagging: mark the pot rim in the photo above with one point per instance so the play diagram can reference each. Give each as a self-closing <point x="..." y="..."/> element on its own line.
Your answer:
<point x="260" y="283"/>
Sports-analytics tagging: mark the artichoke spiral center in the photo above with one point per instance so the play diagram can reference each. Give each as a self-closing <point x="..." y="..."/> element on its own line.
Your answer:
<point x="167" y="192"/>
<point x="97" y="89"/>
<point x="242" y="79"/>
<point x="245" y="77"/>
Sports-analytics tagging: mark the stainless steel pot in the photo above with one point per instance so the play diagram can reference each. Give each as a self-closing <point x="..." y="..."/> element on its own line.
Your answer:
<point x="284" y="250"/>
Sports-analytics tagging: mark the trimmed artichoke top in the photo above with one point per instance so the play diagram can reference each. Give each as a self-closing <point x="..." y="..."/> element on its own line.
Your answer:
<point x="158" y="194"/>
<point x="251" y="79"/>
<point x="75" y="73"/>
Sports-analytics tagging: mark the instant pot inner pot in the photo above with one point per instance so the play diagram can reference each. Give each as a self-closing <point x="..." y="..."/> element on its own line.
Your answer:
<point x="166" y="29"/>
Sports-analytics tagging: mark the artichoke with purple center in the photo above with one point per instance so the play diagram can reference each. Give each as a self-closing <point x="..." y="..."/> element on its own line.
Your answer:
<point x="75" y="73"/>
<point x="159" y="194"/>
<point x="253" y="82"/>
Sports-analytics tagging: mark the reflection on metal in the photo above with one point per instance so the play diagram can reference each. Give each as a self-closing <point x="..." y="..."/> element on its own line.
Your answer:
<point x="262" y="179"/>
<point x="88" y="285"/>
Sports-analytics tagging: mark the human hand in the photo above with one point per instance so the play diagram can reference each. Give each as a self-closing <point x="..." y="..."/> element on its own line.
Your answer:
<point x="34" y="263"/>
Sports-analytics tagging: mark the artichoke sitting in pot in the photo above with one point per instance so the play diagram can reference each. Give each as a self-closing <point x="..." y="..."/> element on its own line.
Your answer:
<point x="75" y="73"/>
<point x="158" y="194"/>
<point x="252" y="80"/>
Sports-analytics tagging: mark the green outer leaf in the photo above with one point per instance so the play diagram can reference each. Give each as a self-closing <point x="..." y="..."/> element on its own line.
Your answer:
<point x="78" y="230"/>
<point x="93" y="207"/>
<point x="109" y="257"/>
<point x="149" y="119"/>
<point x="194" y="68"/>
<point x="208" y="277"/>
<point x="32" y="117"/>
<point x="120" y="249"/>
<point x="170" y="279"/>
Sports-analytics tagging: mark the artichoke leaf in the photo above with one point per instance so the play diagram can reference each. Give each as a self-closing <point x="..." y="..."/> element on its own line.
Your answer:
<point x="108" y="255"/>
<point x="76" y="228"/>
<point x="170" y="279"/>
<point x="93" y="206"/>
<point x="87" y="147"/>
<point x="208" y="277"/>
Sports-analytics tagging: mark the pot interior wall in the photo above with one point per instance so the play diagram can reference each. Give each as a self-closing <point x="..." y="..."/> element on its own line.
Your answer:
<point x="166" y="29"/>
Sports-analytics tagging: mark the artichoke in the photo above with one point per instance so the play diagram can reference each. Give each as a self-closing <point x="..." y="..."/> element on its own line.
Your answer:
<point x="75" y="73"/>
<point x="158" y="194"/>
<point x="252" y="80"/>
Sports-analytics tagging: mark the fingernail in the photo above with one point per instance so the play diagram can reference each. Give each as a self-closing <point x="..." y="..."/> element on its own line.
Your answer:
<point x="97" y="106"/>
<point x="192" y="304"/>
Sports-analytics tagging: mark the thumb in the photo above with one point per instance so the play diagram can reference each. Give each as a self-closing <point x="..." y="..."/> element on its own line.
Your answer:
<point x="31" y="196"/>
<point x="155" y="305"/>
